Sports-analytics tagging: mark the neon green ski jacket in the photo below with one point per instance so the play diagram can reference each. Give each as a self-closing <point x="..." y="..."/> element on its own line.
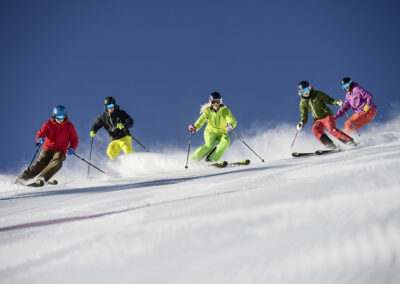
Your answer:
<point x="217" y="120"/>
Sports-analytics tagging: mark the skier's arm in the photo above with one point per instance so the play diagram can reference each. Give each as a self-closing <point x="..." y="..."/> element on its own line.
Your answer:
<point x="98" y="123"/>
<point x="345" y="107"/>
<point x="367" y="96"/>
<point x="327" y="99"/>
<point x="127" y="119"/>
<point x="43" y="131"/>
<point x="73" y="139"/>
<point x="230" y="118"/>
<point x="303" y="113"/>
<point x="200" y="121"/>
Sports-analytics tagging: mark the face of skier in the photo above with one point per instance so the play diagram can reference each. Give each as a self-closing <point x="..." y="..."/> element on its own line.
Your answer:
<point x="59" y="118"/>
<point x="305" y="92"/>
<point x="216" y="104"/>
<point x="110" y="108"/>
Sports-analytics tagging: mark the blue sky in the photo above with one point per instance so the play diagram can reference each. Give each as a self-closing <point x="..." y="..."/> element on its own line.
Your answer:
<point x="161" y="59"/>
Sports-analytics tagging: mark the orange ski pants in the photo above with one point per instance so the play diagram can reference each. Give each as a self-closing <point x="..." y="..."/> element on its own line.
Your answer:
<point x="359" y="120"/>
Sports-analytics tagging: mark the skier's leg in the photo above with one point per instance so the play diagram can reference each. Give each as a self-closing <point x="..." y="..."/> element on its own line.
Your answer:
<point x="126" y="145"/>
<point x="348" y="125"/>
<point x="330" y="124"/>
<point x="224" y="141"/>
<point x="201" y="152"/>
<point x="318" y="131"/>
<point x="113" y="149"/>
<point x="360" y="119"/>
<point x="54" y="166"/>
<point x="42" y="161"/>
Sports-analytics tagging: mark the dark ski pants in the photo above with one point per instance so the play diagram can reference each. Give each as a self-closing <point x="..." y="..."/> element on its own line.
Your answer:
<point x="46" y="166"/>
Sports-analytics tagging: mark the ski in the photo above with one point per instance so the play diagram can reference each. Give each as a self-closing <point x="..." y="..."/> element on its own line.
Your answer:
<point x="41" y="183"/>
<point x="317" y="152"/>
<point x="224" y="164"/>
<point x="302" y="154"/>
<point x="241" y="163"/>
<point x="322" y="152"/>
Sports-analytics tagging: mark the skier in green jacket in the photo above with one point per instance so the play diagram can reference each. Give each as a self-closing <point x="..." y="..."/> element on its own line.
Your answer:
<point x="315" y="101"/>
<point x="219" y="122"/>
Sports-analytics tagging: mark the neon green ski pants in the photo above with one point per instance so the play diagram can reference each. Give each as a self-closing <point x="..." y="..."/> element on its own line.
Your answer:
<point x="115" y="147"/>
<point x="210" y="138"/>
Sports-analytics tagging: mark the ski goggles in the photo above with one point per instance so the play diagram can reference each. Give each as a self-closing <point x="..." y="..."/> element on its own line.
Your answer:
<point x="344" y="86"/>
<point x="216" y="102"/>
<point x="60" y="116"/>
<point x="110" y="106"/>
<point x="306" y="90"/>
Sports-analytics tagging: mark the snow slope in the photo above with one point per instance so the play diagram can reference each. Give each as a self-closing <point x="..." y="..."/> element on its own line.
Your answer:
<point x="327" y="219"/>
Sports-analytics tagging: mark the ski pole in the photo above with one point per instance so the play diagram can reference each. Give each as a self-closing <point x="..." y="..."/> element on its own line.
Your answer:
<point x="90" y="155"/>
<point x="38" y="145"/>
<point x="240" y="138"/>
<point x="89" y="163"/>
<point x="297" y="132"/>
<point x="355" y="129"/>
<point x="187" y="158"/>
<point x="147" y="150"/>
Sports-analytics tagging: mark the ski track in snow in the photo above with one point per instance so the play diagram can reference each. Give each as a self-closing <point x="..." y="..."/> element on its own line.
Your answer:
<point x="327" y="219"/>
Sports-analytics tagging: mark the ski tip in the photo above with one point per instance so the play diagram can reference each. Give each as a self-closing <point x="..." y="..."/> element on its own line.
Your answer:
<point x="222" y="164"/>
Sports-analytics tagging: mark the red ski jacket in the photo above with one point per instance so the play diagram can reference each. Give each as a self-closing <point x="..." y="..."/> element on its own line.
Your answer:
<point x="58" y="136"/>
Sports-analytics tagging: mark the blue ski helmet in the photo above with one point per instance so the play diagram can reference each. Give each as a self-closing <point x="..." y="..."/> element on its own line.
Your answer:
<point x="59" y="110"/>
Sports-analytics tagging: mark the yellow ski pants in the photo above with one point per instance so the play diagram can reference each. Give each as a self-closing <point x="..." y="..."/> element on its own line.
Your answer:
<point x="115" y="147"/>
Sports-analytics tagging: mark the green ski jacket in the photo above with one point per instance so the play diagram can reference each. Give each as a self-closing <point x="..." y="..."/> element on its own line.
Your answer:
<point x="217" y="120"/>
<point x="316" y="103"/>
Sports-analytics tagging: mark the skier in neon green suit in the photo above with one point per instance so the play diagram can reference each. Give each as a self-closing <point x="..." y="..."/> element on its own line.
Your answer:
<point x="219" y="122"/>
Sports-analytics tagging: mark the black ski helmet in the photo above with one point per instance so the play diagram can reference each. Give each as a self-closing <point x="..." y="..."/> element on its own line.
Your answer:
<point x="59" y="110"/>
<point x="108" y="101"/>
<point x="346" y="80"/>
<point x="215" y="96"/>
<point x="303" y="85"/>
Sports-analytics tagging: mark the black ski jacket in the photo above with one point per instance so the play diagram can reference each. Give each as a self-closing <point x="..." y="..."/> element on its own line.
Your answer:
<point x="110" y="121"/>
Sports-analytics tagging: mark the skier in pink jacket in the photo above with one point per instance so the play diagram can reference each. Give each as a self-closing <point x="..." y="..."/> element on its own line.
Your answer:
<point x="361" y="101"/>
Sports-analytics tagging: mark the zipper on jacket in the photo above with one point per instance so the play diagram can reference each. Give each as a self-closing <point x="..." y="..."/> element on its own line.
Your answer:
<point x="112" y="124"/>
<point x="312" y="109"/>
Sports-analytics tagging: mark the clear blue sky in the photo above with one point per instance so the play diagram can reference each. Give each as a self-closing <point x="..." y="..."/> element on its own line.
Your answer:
<point x="161" y="59"/>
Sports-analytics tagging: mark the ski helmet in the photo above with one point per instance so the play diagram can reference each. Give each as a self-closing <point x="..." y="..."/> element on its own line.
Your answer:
<point x="346" y="82"/>
<point x="215" y="96"/>
<point x="303" y="85"/>
<point x="108" y="102"/>
<point x="59" y="112"/>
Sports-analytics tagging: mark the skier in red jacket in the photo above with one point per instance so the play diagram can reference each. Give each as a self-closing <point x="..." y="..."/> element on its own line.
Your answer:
<point x="58" y="136"/>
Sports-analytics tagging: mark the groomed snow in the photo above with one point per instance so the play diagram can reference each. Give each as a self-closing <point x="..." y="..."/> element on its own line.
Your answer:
<point x="327" y="219"/>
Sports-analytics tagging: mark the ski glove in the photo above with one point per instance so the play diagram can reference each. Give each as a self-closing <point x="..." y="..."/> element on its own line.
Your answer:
<point x="120" y="125"/>
<point x="367" y="107"/>
<point x="338" y="102"/>
<point x="70" y="151"/>
<point x="229" y="127"/>
<point x="40" y="140"/>
<point x="192" y="128"/>
<point x="299" y="126"/>
<point x="92" y="134"/>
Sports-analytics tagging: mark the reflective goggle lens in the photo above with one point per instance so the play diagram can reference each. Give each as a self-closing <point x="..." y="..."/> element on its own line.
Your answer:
<point x="216" y="102"/>
<point x="110" y="106"/>
<point x="306" y="90"/>
<point x="61" y="116"/>
<point x="344" y="86"/>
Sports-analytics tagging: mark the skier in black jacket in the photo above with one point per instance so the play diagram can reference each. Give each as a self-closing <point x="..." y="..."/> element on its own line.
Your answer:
<point x="117" y="123"/>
